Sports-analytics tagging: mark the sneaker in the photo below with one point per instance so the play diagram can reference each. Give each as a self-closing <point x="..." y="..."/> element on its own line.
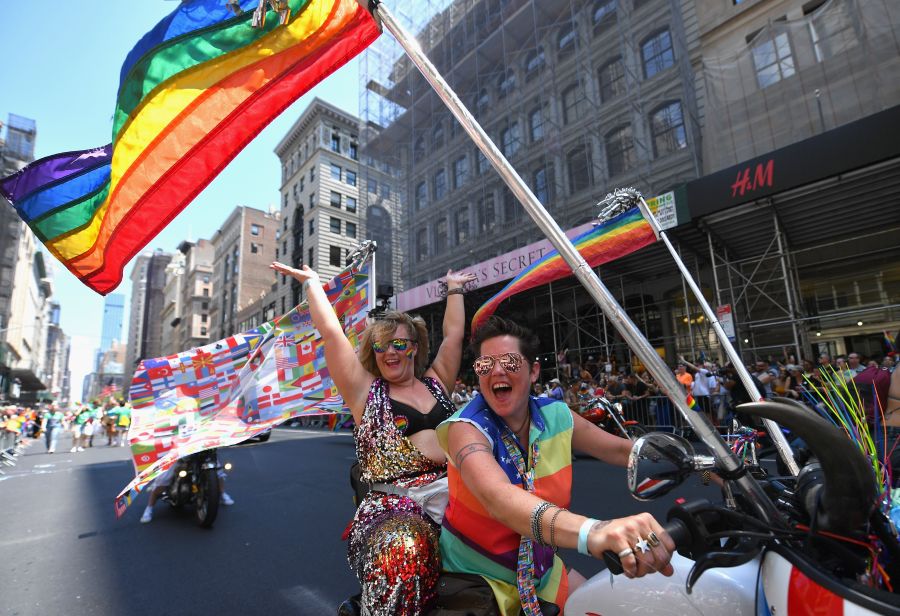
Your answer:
<point x="81" y="449"/>
<point x="226" y="500"/>
<point x="148" y="516"/>
<point x="73" y="450"/>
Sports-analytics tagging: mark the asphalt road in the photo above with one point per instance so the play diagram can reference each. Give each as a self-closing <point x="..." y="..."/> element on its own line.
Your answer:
<point x="278" y="550"/>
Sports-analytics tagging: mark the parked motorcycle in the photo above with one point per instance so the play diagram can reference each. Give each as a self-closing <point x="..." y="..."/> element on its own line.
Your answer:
<point x="196" y="482"/>
<point x="832" y="549"/>
<point x="609" y="416"/>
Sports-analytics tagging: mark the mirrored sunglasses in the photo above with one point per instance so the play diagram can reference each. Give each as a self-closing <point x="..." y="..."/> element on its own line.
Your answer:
<point x="399" y="344"/>
<point x="511" y="362"/>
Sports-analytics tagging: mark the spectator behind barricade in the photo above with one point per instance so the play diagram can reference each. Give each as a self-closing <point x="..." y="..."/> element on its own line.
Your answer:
<point x="562" y="363"/>
<point x="738" y="394"/>
<point x="766" y="375"/>
<point x="571" y="396"/>
<point x="793" y="384"/>
<point x="888" y="362"/>
<point x="854" y="364"/>
<point x="459" y="397"/>
<point x="556" y="390"/>
<point x="840" y="366"/>
<point x="584" y="374"/>
<point x="700" y="387"/>
<point x="592" y="366"/>
<point x="614" y="388"/>
<point x="599" y="388"/>
<point x="539" y="391"/>
<point x="683" y="377"/>
<point x="634" y="394"/>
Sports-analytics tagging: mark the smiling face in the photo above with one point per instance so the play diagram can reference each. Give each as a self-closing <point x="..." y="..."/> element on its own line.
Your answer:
<point x="506" y="391"/>
<point x="397" y="366"/>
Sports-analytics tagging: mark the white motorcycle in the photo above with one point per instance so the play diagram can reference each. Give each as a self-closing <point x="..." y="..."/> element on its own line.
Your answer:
<point x="832" y="550"/>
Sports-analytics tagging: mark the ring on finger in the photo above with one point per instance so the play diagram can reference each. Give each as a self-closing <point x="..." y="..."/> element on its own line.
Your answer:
<point x="626" y="552"/>
<point x="653" y="540"/>
<point x="642" y="545"/>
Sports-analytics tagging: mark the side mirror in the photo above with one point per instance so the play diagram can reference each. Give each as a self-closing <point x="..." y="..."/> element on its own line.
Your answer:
<point x="659" y="461"/>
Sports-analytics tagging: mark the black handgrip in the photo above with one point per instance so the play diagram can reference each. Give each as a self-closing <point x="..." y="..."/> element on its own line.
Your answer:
<point x="677" y="530"/>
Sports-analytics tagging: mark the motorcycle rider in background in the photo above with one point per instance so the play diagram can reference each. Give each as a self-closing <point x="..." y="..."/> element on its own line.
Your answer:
<point x="162" y="481"/>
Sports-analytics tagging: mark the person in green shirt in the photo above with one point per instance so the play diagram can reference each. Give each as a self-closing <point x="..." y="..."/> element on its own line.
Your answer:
<point x="78" y="438"/>
<point x="123" y="422"/>
<point x="51" y="426"/>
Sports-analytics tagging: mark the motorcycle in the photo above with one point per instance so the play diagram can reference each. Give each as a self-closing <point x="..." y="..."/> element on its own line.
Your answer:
<point x="196" y="482"/>
<point x="830" y="550"/>
<point x="609" y="416"/>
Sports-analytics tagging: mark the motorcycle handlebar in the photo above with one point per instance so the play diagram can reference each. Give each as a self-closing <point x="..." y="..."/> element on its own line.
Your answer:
<point x="677" y="530"/>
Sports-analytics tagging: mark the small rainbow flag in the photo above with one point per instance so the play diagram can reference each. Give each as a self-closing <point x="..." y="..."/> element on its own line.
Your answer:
<point x="193" y="92"/>
<point x="691" y="402"/>
<point x="615" y="238"/>
<point x="890" y="341"/>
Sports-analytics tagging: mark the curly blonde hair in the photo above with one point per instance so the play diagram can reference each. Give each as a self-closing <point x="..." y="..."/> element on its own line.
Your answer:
<point x="383" y="328"/>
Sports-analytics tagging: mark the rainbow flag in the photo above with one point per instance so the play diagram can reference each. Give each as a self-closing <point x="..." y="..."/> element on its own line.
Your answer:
<point x="890" y="341"/>
<point x="193" y="92"/>
<point x="615" y="238"/>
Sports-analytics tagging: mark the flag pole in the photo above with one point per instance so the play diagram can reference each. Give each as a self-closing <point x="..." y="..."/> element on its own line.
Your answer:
<point x="628" y="196"/>
<point x="726" y="460"/>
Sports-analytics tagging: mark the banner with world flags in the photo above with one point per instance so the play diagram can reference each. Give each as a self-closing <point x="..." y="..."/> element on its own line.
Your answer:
<point x="228" y="391"/>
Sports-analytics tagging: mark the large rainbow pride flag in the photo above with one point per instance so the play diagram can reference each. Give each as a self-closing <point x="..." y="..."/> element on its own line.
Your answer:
<point x="193" y="92"/>
<point x="615" y="238"/>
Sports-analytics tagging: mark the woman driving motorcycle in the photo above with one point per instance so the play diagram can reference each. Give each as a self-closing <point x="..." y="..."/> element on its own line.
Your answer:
<point x="510" y="483"/>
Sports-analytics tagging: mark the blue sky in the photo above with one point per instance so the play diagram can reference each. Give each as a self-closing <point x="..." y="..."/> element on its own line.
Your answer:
<point x="61" y="68"/>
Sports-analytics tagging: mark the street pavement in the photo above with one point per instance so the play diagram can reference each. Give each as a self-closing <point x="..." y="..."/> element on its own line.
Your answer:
<point x="278" y="550"/>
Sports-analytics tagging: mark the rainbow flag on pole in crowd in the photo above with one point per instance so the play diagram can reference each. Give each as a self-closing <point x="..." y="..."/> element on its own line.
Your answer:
<point x="193" y="92"/>
<point x="890" y="341"/>
<point x="228" y="391"/>
<point x="615" y="238"/>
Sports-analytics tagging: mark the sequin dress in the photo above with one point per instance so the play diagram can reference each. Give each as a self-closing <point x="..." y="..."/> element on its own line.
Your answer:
<point x="393" y="544"/>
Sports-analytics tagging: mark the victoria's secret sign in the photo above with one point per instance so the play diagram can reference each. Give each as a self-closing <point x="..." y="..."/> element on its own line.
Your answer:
<point x="851" y="146"/>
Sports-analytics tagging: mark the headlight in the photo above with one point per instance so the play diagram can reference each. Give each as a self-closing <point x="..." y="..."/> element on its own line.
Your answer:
<point x="228" y="466"/>
<point x="182" y="473"/>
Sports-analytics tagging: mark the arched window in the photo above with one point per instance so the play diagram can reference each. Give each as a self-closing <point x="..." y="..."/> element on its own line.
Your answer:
<point x="567" y="39"/>
<point x="657" y="53"/>
<point x="667" y="129"/>
<point x="482" y="100"/>
<point x="534" y="63"/>
<point x="580" y="169"/>
<point x="437" y="134"/>
<point x="573" y="103"/>
<point x="419" y="147"/>
<point x="612" y="79"/>
<point x="620" y="154"/>
<point x="421" y="195"/>
<point x="506" y="83"/>
<point x="604" y="14"/>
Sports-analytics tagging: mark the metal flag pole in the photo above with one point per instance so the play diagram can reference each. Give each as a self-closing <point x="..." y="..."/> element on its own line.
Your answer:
<point x="625" y="198"/>
<point x="726" y="460"/>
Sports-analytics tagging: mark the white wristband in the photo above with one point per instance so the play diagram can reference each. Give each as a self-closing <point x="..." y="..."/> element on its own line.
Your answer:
<point x="583" y="536"/>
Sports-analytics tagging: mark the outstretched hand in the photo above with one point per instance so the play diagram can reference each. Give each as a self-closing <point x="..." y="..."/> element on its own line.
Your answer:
<point x="459" y="279"/>
<point x="303" y="274"/>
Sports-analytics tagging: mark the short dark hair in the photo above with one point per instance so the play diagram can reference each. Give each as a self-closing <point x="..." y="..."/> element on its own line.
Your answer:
<point x="496" y="326"/>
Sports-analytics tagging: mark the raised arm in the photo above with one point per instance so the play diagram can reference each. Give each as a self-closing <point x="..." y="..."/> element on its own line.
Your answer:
<point x="445" y="367"/>
<point x="687" y="363"/>
<point x="514" y="507"/>
<point x="351" y="379"/>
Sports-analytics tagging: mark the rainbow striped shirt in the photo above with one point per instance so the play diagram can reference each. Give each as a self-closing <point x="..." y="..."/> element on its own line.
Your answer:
<point x="472" y="541"/>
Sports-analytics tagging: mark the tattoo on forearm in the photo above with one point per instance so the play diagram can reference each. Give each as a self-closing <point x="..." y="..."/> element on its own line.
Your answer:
<point x="468" y="450"/>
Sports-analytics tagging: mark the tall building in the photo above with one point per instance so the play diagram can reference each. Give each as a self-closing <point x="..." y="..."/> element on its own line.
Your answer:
<point x="753" y="121"/>
<point x="196" y="293"/>
<point x="57" y="361"/>
<point x="243" y="248"/>
<point x="113" y="315"/>
<point x="172" y="308"/>
<point x="148" y="279"/>
<point x="321" y="217"/>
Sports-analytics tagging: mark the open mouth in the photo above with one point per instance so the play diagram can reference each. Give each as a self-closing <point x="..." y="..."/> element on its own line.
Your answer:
<point x="501" y="391"/>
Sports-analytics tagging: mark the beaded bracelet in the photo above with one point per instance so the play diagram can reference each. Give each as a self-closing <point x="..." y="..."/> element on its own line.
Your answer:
<point x="456" y="291"/>
<point x="556" y="513"/>
<point x="536" y="524"/>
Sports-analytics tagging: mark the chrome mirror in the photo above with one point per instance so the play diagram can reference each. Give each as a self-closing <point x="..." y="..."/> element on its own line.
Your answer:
<point x="659" y="461"/>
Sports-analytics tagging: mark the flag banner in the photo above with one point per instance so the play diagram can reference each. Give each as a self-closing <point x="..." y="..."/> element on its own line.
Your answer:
<point x="192" y="93"/>
<point x="615" y="238"/>
<point x="228" y="391"/>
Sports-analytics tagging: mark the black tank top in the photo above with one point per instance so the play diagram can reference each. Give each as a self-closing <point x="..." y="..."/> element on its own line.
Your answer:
<point x="410" y="420"/>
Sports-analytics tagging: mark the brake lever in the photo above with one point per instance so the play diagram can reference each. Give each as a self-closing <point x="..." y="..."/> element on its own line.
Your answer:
<point x="713" y="560"/>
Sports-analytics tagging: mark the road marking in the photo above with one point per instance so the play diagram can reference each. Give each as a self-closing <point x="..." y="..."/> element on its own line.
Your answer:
<point x="307" y="600"/>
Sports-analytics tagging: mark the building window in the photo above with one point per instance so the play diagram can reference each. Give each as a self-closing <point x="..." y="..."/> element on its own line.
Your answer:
<point x="335" y="224"/>
<point x="437" y="135"/>
<point x="335" y="142"/>
<point x="506" y="84"/>
<point x="512" y="210"/>
<point x="351" y="177"/>
<point x="620" y="154"/>
<point x="350" y="229"/>
<point x="302" y="183"/>
<point x="334" y="256"/>
<point x="202" y="331"/>
<point x="254" y="229"/>
<point x="335" y="199"/>
<point x="312" y="174"/>
<point x="612" y="79"/>
<point x="421" y="195"/>
<point x="461" y="222"/>
<point x="335" y="172"/>
<point x="312" y="200"/>
<point x="354" y="151"/>
<point x="604" y="14"/>
<point x="580" y="168"/>
<point x="204" y="318"/>
<point x="482" y="100"/>
<point x="372" y="186"/>
<point x="460" y="171"/>
<point x="657" y="53"/>
<point x="534" y="63"/>
<point x="540" y="183"/>
<point x="536" y="123"/>
<point x="309" y="261"/>
<point x="440" y="185"/>
<point x="772" y="59"/>
<point x="421" y="244"/>
<point x="487" y="216"/>
<point x="312" y="226"/>
<point x="440" y="236"/>
<point x="566" y="40"/>
<point x="254" y="248"/>
<point x="482" y="161"/>
<point x="386" y="190"/>
<point x="351" y="204"/>
<point x="667" y="129"/>
<point x="419" y="147"/>
<point x="573" y="103"/>
<point x="511" y="139"/>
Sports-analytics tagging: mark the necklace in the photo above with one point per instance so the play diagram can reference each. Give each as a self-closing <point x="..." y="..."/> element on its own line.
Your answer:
<point x="522" y="425"/>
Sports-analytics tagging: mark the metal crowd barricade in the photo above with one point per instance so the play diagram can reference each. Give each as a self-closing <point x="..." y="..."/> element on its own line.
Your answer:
<point x="657" y="413"/>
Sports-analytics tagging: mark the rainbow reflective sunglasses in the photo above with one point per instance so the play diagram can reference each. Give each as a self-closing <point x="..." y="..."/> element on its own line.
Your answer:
<point x="511" y="362"/>
<point x="399" y="344"/>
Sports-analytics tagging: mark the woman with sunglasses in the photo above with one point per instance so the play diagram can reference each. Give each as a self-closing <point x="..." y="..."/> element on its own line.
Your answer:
<point x="510" y="479"/>
<point x="397" y="401"/>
